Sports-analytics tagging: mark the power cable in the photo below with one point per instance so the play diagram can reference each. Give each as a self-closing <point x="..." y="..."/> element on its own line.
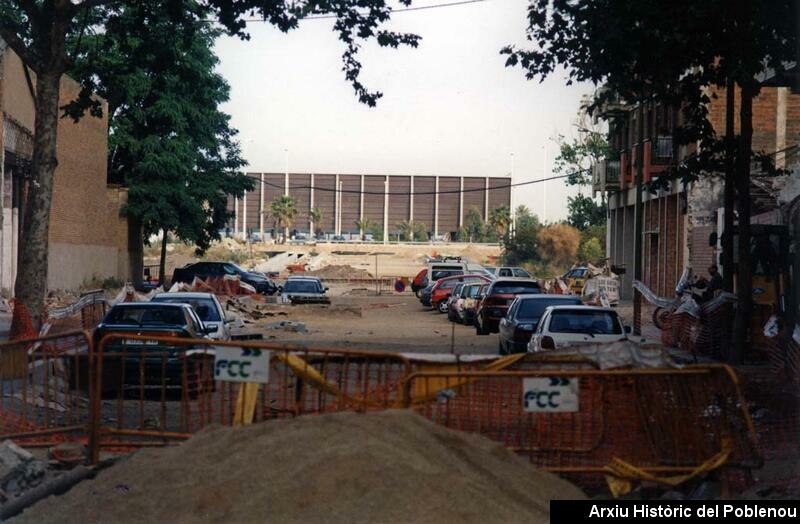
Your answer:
<point x="399" y="10"/>
<point x="416" y="193"/>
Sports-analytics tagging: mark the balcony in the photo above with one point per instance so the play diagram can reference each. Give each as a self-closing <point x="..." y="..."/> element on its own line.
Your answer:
<point x="605" y="175"/>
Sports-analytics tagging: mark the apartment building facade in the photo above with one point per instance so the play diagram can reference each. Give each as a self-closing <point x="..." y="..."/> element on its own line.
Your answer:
<point x="682" y="222"/>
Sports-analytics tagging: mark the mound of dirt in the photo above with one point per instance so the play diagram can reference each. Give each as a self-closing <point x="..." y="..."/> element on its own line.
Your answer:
<point x="392" y="466"/>
<point x="340" y="271"/>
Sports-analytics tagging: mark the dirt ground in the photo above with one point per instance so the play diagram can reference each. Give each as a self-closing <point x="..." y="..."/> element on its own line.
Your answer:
<point x="359" y="319"/>
<point x="393" y="466"/>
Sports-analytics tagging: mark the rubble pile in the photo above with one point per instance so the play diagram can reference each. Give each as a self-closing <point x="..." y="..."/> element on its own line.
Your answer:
<point x="392" y="466"/>
<point x="341" y="271"/>
<point x="19" y="471"/>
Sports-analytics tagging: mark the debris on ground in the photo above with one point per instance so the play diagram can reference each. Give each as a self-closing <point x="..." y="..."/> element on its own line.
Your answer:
<point x="288" y="325"/>
<point x="341" y="271"/>
<point x="19" y="470"/>
<point x="392" y="466"/>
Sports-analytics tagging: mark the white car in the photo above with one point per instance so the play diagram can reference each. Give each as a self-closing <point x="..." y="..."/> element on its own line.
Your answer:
<point x="563" y="326"/>
<point x="207" y="308"/>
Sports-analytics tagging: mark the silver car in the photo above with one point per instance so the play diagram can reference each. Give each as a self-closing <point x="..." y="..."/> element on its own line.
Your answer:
<point x="207" y="308"/>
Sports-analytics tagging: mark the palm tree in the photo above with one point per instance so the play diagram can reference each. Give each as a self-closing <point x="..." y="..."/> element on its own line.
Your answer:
<point x="283" y="211"/>
<point x="500" y="219"/>
<point x="407" y="229"/>
<point x="363" y="225"/>
<point x="316" y="216"/>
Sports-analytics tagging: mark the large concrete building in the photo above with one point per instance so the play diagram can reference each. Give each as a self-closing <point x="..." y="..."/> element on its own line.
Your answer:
<point x="439" y="202"/>
<point x="88" y="234"/>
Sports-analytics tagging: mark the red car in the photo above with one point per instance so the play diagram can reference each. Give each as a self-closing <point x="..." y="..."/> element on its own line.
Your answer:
<point x="498" y="296"/>
<point x="420" y="281"/>
<point x="444" y="287"/>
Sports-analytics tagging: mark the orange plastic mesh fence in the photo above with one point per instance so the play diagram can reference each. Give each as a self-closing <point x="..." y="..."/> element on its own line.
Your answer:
<point x="165" y="387"/>
<point x="660" y="420"/>
<point x="45" y="388"/>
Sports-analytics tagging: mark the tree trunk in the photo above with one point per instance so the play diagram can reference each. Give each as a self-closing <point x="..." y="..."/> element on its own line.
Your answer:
<point x="31" y="282"/>
<point x="136" y="252"/>
<point x="730" y="189"/>
<point x="744" y="277"/>
<point x="162" y="264"/>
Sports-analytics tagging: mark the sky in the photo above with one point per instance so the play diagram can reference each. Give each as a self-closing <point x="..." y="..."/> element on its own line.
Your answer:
<point x="450" y="106"/>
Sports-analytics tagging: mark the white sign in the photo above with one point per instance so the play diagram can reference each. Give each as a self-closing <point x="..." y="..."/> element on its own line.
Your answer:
<point x="550" y="394"/>
<point x="241" y="364"/>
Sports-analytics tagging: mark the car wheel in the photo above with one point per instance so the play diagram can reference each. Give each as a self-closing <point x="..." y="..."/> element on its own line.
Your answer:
<point x="479" y="329"/>
<point x="442" y="306"/>
<point x="500" y="347"/>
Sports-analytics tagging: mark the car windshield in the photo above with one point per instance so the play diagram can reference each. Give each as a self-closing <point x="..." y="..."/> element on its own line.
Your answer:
<point x="145" y="316"/>
<point x="515" y="288"/>
<point x="533" y="309"/>
<point x="302" y="286"/>
<point x="470" y="291"/>
<point x="586" y="321"/>
<point x="205" y="307"/>
<point x="442" y="273"/>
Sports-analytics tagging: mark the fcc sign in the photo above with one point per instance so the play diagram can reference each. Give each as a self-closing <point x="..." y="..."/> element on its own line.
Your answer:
<point x="241" y="364"/>
<point x="550" y="394"/>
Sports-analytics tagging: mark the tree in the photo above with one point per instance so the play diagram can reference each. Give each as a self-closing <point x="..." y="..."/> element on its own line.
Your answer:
<point x="473" y="229"/>
<point x="524" y="245"/>
<point x="283" y="211"/>
<point x="591" y="251"/>
<point x="420" y="231"/>
<point x="364" y="225"/>
<point x="40" y="33"/>
<point x="315" y="217"/>
<point x="500" y="220"/>
<point x="578" y="156"/>
<point x="559" y="243"/>
<point x="584" y="212"/>
<point x="168" y="141"/>
<point x="411" y="230"/>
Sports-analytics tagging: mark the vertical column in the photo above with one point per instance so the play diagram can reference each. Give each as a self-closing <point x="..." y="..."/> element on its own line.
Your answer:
<point x="486" y="198"/>
<point x="235" y="216"/>
<point x="780" y="127"/>
<point x="461" y="202"/>
<point x="436" y="209"/>
<point x="244" y="215"/>
<point x="361" y="203"/>
<point x="336" y="188"/>
<point x="386" y="209"/>
<point x="411" y="201"/>
<point x="339" y="206"/>
<point x="261" y="209"/>
<point x="311" y="206"/>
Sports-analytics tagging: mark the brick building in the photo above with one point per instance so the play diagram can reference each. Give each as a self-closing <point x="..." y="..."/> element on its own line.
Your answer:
<point x="439" y="202"/>
<point x="680" y="220"/>
<point x="88" y="235"/>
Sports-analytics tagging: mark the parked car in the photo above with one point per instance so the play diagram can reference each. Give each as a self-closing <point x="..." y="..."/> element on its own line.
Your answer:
<point x="523" y="316"/>
<point x="338" y="238"/>
<point x="425" y="295"/>
<point x="443" y="268"/>
<point x="468" y="291"/>
<point x="470" y="306"/>
<point x="203" y="270"/>
<point x="517" y="272"/>
<point x="561" y="326"/>
<point x="443" y="287"/>
<point x="420" y="281"/>
<point x="127" y="359"/>
<point x="451" y="302"/>
<point x="304" y="290"/>
<point x="207" y="308"/>
<point x="499" y="295"/>
<point x="576" y="278"/>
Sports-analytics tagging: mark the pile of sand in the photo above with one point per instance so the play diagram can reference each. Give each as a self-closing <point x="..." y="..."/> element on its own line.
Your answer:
<point x="392" y="466"/>
<point x="340" y="271"/>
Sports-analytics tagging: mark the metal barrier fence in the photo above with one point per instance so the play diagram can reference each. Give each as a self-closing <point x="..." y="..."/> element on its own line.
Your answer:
<point x="661" y="421"/>
<point x="44" y="385"/>
<point x="152" y="389"/>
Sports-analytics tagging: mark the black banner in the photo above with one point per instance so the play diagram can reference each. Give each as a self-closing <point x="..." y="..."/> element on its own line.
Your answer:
<point x="600" y="511"/>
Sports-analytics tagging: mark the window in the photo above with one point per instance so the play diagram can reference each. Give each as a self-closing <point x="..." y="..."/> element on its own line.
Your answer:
<point x="229" y="269"/>
<point x="519" y="272"/>
<point x="205" y="308"/>
<point x="589" y="322"/>
<point x="515" y="288"/>
<point x="449" y="284"/>
<point x="504" y="272"/>
<point x="302" y="286"/>
<point x="534" y="309"/>
<point x="146" y="316"/>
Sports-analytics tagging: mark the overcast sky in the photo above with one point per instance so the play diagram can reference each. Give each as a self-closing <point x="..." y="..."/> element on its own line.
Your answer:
<point x="450" y="107"/>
